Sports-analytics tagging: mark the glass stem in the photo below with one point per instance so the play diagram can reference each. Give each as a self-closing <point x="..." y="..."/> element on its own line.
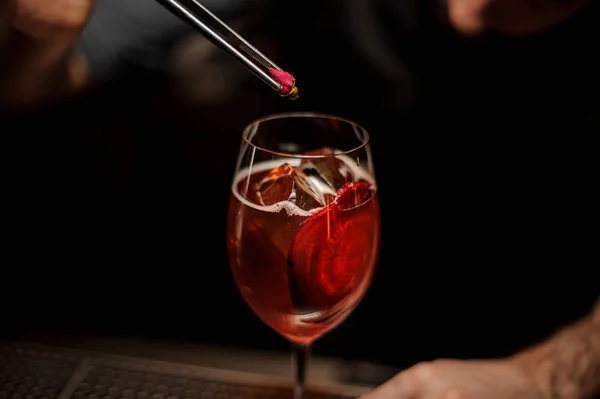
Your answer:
<point x="300" y="355"/>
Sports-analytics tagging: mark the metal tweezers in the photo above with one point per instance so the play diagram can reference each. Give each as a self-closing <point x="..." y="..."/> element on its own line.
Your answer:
<point x="221" y="35"/>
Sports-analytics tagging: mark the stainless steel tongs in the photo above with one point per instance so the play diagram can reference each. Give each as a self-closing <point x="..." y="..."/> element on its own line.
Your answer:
<point x="221" y="35"/>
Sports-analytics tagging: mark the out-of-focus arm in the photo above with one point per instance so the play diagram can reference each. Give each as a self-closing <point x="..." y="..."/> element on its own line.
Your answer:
<point x="38" y="62"/>
<point x="567" y="365"/>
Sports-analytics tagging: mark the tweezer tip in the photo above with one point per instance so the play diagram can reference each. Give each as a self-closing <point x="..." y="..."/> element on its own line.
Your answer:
<point x="293" y="94"/>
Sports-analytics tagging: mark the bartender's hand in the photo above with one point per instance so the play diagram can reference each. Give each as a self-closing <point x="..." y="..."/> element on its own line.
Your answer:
<point x="458" y="379"/>
<point x="513" y="17"/>
<point x="38" y="61"/>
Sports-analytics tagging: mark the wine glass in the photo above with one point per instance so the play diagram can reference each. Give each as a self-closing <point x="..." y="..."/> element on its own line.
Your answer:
<point x="303" y="226"/>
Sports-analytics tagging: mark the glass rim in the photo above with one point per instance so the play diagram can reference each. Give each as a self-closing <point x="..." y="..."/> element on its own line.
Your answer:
<point x="314" y="115"/>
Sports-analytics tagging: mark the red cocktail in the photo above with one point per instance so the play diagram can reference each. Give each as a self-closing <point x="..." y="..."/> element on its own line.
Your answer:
<point x="303" y="227"/>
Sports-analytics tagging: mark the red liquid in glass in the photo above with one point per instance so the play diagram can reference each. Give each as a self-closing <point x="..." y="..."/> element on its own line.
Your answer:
<point x="302" y="271"/>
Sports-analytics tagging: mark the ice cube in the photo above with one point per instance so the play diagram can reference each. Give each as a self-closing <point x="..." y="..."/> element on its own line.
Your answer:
<point x="276" y="186"/>
<point x="310" y="191"/>
<point x="287" y="183"/>
<point x="331" y="170"/>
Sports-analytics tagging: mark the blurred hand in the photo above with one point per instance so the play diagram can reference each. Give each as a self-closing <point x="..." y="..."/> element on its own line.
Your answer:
<point x="38" y="61"/>
<point x="457" y="379"/>
<point x="513" y="17"/>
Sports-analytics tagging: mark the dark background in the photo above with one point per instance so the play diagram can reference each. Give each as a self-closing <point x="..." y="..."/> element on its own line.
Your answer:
<point x="486" y="159"/>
